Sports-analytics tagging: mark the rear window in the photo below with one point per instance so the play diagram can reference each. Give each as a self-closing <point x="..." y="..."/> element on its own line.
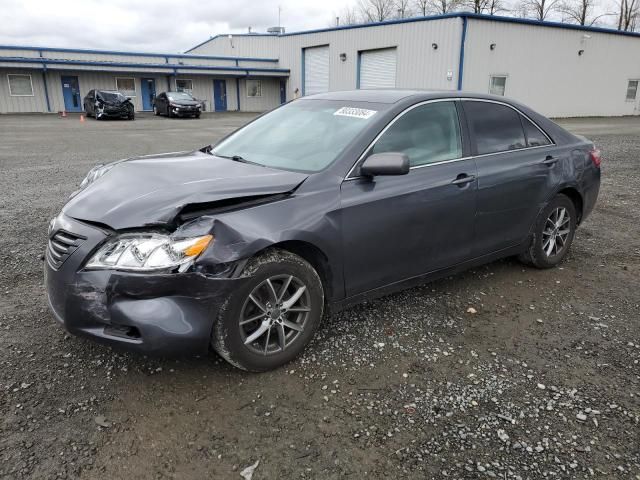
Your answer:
<point x="496" y="127"/>
<point x="535" y="138"/>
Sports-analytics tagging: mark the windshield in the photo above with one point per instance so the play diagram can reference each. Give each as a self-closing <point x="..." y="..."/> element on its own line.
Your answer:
<point x="304" y="135"/>
<point x="179" y="96"/>
<point x="112" y="96"/>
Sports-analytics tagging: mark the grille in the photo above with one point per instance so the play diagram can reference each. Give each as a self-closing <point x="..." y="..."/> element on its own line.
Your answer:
<point x="61" y="246"/>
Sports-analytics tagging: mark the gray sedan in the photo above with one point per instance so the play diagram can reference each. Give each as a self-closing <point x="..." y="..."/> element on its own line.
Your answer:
<point x="322" y="203"/>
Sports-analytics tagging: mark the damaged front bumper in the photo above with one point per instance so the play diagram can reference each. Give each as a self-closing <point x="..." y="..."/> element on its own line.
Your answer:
<point x="164" y="313"/>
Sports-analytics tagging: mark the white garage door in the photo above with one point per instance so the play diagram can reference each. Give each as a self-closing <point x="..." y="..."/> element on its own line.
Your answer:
<point x="316" y="70"/>
<point x="378" y="68"/>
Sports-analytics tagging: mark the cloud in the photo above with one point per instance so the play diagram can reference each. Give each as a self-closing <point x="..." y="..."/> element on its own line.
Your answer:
<point x="161" y="26"/>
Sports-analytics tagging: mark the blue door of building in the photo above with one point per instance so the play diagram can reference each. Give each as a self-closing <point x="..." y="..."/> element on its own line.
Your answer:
<point x="148" y="89"/>
<point x="220" y="95"/>
<point x="283" y="91"/>
<point x="71" y="94"/>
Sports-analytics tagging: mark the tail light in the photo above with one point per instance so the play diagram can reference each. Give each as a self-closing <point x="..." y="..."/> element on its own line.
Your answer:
<point x="595" y="156"/>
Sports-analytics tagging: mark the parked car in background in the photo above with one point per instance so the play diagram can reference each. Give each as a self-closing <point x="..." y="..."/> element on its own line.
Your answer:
<point x="327" y="201"/>
<point x="177" y="104"/>
<point x="103" y="104"/>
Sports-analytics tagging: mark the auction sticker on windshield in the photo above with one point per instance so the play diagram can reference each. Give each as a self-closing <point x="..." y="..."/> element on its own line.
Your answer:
<point x="355" y="112"/>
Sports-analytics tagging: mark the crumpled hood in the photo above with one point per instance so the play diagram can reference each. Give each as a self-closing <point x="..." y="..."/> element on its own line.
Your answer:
<point x="152" y="190"/>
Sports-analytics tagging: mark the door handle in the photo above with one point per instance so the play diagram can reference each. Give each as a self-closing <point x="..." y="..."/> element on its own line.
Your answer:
<point x="463" y="179"/>
<point x="550" y="161"/>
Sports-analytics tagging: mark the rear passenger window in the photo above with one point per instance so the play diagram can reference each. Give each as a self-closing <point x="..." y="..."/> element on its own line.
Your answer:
<point x="535" y="138"/>
<point x="496" y="127"/>
<point x="426" y="134"/>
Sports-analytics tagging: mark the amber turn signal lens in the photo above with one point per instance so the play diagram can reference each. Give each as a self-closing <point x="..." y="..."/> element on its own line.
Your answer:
<point x="198" y="247"/>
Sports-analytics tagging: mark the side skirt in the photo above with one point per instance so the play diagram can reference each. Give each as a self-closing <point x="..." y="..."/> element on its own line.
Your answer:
<point x="339" y="305"/>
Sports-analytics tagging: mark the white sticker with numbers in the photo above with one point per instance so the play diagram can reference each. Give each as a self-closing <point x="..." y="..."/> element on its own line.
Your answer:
<point x="355" y="112"/>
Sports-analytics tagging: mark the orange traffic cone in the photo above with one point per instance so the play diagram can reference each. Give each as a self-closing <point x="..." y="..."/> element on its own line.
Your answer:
<point x="82" y="118"/>
<point x="64" y="114"/>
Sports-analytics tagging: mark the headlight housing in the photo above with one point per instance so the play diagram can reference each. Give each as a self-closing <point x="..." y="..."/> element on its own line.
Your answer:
<point x="148" y="252"/>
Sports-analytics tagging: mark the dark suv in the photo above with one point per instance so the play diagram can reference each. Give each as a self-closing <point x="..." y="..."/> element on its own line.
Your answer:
<point x="108" y="104"/>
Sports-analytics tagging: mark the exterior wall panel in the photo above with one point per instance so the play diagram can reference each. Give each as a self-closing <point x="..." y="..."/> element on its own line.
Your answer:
<point x="35" y="103"/>
<point x="545" y="72"/>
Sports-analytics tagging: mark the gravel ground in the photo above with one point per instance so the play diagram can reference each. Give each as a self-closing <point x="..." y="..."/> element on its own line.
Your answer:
<point x="542" y="381"/>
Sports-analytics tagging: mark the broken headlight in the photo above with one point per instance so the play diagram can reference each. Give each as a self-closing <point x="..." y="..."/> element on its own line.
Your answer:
<point x="148" y="252"/>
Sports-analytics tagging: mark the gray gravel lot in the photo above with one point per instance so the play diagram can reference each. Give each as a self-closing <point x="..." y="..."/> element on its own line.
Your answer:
<point x="543" y="381"/>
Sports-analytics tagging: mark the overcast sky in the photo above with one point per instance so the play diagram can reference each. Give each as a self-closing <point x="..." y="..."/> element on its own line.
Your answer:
<point x="159" y="26"/>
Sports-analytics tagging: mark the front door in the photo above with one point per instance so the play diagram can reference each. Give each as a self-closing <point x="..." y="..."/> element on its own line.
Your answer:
<point x="399" y="227"/>
<point x="283" y="91"/>
<point x="220" y="95"/>
<point x="148" y="88"/>
<point x="71" y="94"/>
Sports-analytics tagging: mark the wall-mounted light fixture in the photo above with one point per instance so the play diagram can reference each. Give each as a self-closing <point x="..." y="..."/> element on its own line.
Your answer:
<point x="343" y="57"/>
<point x="492" y="46"/>
<point x="580" y="52"/>
<point x="434" y="46"/>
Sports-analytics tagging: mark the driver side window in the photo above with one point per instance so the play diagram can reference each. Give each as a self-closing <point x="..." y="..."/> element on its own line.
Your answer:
<point x="427" y="134"/>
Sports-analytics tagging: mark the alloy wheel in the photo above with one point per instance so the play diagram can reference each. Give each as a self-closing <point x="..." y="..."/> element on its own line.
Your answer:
<point x="275" y="314"/>
<point x="556" y="231"/>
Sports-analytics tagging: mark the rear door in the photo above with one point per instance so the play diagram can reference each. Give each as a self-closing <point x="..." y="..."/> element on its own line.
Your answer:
<point x="397" y="227"/>
<point x="518" y="169"/>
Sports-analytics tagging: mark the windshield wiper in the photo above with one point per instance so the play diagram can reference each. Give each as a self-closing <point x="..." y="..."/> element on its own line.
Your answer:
<point x="235" y="158"/>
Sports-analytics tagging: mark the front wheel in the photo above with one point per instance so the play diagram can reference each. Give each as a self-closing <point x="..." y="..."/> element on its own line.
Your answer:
<point x="273" y="316"/>
<point x="553" y="234"/>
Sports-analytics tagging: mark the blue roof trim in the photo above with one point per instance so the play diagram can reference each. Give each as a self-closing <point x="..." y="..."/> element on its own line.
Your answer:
<point x="135" y="54"/>
<point x="476" y="16"/>
<point x="163" y="66"/>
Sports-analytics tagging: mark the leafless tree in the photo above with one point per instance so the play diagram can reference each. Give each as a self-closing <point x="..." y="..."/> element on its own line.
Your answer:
<point x="493" y="7"/>
<point x="476" y="6"/>
<point x="628" y="14"/>
<point x="349" y="16"/>
<point x="437" y="7"/>
<point x="403" y="8"/>
<point x="580" y="12"/>
<point x="376" y="10"/>
<point x="540" y="9"/>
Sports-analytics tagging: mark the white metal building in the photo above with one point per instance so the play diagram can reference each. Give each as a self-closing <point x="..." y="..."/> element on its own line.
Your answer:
<point x="36" y="79"/>
<point x="558" y="69"/>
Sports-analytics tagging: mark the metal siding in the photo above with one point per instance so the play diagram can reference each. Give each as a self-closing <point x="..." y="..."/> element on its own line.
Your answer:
<point x="378" y="68"/>
<point x="544" y="69"/>
<point x="36" y="103"/>
<point x="418" y="64"/>
<point x="270" y="96"/>
<point x="316" y="70"/>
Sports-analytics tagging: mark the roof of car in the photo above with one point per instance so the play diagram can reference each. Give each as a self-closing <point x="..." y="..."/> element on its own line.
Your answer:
<point x="394" y="95"/>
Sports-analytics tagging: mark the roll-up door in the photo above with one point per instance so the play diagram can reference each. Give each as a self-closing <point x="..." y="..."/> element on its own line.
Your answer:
<point x="316" y="70"/>
<point x="378" y="68"/>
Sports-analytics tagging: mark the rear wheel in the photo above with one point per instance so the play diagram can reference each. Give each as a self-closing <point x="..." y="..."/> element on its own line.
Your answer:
<point x="270" y="319"/>
<point x="553" y="234"/>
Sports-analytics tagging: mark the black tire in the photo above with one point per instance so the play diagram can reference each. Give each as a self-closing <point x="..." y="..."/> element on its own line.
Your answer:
<point x="169" y="114"/>
<point x="229" y="337"/>
<point x="537" y="253"/>
<point x="132" y="115"/>
<point x="197" y="116"/>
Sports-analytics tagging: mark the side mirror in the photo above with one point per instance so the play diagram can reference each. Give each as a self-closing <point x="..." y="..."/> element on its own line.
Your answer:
<point x="389" y="163"/>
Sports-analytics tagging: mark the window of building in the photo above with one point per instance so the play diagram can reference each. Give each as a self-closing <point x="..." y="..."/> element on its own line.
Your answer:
<point x="184" y="85"/>
<point x="497" y="84"/>
<point x="426" y="134"/>
<point x="632" y="90"/>
<point x="535" y="137"/>
<point x="254" y="88"/>
<point x="127" y="86"/>
<point x="20" y="85"/>
<point x="496" y="127"/>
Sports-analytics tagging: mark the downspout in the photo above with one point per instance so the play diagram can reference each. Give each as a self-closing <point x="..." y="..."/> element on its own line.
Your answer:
<point x="238" y="93"/>
<point x="44" y="81"/>
<point x="461" y="62"/>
